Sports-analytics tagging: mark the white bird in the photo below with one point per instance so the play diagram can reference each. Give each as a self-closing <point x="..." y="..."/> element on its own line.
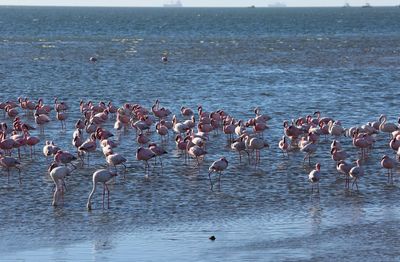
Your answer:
<point x="101" y="176"/>
<point x="314" y="177"/>
<point x="386" y="127"/>
<point x="344" y="168"/>
<point x="115" y="160"/>
<point x="58" y="174"/>
<point x="356" y="173"/>
<point x="218" y="166"/>
<point x="309" y="148"/>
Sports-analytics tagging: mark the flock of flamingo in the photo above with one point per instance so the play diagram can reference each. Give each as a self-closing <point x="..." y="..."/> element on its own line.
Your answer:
<point x="191" y="135"/>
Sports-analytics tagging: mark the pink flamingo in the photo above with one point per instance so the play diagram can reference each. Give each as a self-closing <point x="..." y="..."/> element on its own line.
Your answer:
<point x="88" y="146"/>
<point x="309" y="148"/>
<point x="142" y="139"/>
<point x="112" y="109"/>
<point x="8" y="163"/>
<point x="158" y="151"/>
<point x="344" y="168"/>
<point x="115" y="160"/>
<point x="145" y="154"/>
<point x="218" y="166"/>
<point x="59" y="107"/>
<point x="31" y="141"/>
<point x="314" y="177"/>
<point x="62" y="116"/>
<point x="356" y="173"/>
<point x="386" y="127"/>
<point x="186" y="112"/>
<point x="256" y="144"/>
<point x="162" y="130"/>
<point x="240" y="146"/>
<point x="228" y="129"/>
<point x="181" y="145"/>
<point x="12" y="112"/>
<point x="101" y="176"/>
<point x="389" y="164"/>
<point x="338" y="155"/>
<point x="41" y="120"/>
<point x="395" y="143"/>
<point x="64" y="157"/>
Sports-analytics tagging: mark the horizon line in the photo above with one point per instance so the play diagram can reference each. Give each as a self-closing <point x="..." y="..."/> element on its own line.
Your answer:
<point x="132" y="6"/>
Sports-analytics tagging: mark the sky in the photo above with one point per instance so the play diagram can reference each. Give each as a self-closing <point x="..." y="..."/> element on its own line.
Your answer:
<point x="200" y="3"/>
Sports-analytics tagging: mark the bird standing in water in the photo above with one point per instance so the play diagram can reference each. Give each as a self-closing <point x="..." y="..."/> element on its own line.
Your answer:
<point x="314" y="177"/>
<point x="218" y="166"/>
<point x="101" y="176"/>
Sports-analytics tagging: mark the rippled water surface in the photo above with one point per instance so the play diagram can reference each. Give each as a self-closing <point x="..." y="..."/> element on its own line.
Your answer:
<point x="289" y="62"/>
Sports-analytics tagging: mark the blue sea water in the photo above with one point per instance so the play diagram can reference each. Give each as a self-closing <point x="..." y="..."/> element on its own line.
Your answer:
<point x="289" y="62"/>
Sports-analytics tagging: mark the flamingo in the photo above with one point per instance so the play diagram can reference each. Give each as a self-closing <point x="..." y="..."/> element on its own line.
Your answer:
<point x="115" y="160"/>
<point x="194" y="150"/>
<point x="395" y="142"/>
<point x="218" y="166"/>
<point x="31" y="141"/>
<point x="386" y="127"/>
<point x="158" y="151"/>
<point x="181" y="145"/>
<point x="58" y="174"/>
<point x="178" y="128"/>
<point x="50" y="149"/>
<point x="162" y="130"/>
<point x="239" y="146"/>
<point x="187" y="112"/>
<point x="64" y="157"/>
<point x="101" y="176"/>
<point x="388" y="163"/>
<point x="62" y="116"/>
<point x="284" y="146"/>
<point x="338" y="155"/>
<point x="8" y="163"/>
<point x="344" y="168"/>
<point x="88" y="146"/>
<point x="356" y="173"/>
<point x="41" y="120"/>
<point x="314" y="177"/>
<point x="309" y="148"/>
<point x="6" y="144"/>
<point x="145" y="154"/>
<point x="256" y="144"/>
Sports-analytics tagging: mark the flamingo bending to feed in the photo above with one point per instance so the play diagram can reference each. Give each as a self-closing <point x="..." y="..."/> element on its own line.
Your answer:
<point x="58" y="174"/>
<point x="101" y="176"/>
<point x="218" y="166"/>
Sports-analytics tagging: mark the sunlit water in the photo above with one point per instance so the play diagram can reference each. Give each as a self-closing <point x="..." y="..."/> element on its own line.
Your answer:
<point x="289" y="62"/>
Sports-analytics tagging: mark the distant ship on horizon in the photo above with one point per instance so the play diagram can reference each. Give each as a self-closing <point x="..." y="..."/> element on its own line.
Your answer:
<point x="177" y="3"/>
<point x="277" y="4"/>
<point x="367" y="5"/>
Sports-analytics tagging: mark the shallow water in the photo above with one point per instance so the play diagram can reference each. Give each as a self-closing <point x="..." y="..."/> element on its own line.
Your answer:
<point x="288" y="62"/>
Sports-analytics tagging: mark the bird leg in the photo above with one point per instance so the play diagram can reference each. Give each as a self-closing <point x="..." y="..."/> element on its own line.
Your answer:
<point x="104" y="192"/>
<point x="19" y="175"/>
<point x="209" y="177"/>
<point x="108" y="196"/>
